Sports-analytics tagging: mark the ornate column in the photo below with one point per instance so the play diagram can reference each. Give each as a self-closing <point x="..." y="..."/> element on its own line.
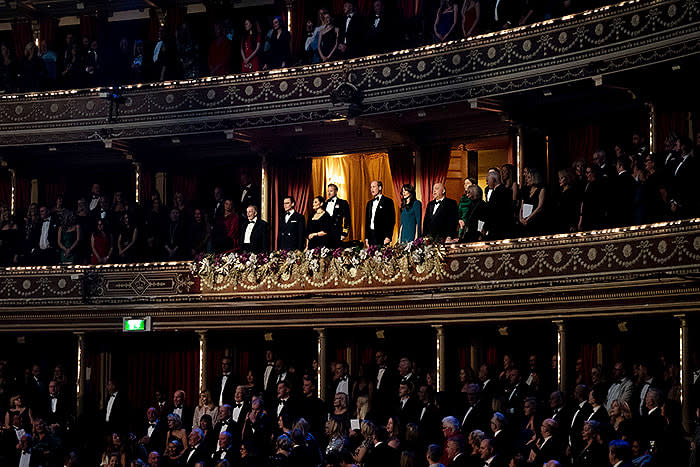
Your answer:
<point x="519" y="159"/>
<point x="441" y="356"/>
<point x="322" y="364"/>
<point x="80" y="380"/>
<point x="686" y="375"/>
<point x="202" y="359"/>
<point x="474" y="357"/>
<point x="13" y="191"/>
<point x="265" y="189"/>
<point x="138" y="183"/>
<point x="419" y="172"/>
<point x="34" y="196"/>
<point x="652" y="128"/>
<point x="561" y="354"/>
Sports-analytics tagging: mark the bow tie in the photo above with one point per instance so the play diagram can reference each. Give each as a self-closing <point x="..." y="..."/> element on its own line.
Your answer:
<point x="376" y="198"/>
<point x="382" y="367"/>
<point x="282" y="401"/>
<point x="344" y="378"/>
<point x="53" y="397"/>
<point x="227" y="374"/>
<point x="26" y="452"/>
<point x="332" y="200"/>
<point x="226" y="422"/>
<point x="239" y="404"/>
<point x="437" y="203"/>
<point x="178" y="406"/>
<point x="112" y="395"/>
<point x="251" y="222"/>
<point x="270" y="363"/>
<point x="151" y="424"/>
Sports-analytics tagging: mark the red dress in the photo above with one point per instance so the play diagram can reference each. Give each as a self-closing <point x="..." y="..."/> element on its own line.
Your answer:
<point x="220" y="54"/>
<point x="232" y="223"/>
<point x="102" y="245"/>
<point x="469" y="19"/>
<point x="248" y="49"/>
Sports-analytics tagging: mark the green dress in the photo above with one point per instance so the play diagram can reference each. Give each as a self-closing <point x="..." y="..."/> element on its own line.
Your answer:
<point x="68" y="238"/>
<point x="465" y="205"/>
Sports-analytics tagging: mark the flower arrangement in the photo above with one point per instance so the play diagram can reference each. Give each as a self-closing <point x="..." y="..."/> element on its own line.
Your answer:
<point x="415" y="261"/>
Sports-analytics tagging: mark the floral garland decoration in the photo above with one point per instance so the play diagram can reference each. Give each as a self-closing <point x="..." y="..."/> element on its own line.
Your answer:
<point x="416" y="261"/>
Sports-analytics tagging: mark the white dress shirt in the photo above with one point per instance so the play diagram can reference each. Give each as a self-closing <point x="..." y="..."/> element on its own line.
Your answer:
<point x="249" y="230"/>
<point x="288" y="215"/>
<point x="25" y="459"/>
<point x="266" y="377"/>
<point x="178" y="411"/>
<point x="375" y="205"/>
<point x="224" y="379"/>
<point x="237" y="411"/>
<point x="347" y="25"/>
<point x="44" y="239"/>
<point x="54" y="404"/>
<point x="151" y="428"/>
<point x="343" y="386"/>
<point x="380" y="375"/>
<point x="436" y="205"/>
<point x="330" y="205"/>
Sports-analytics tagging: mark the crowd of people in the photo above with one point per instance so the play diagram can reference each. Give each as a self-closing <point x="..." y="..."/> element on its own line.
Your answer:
<point x="244" y="45"/>
<point x="390" y="414"/>
<point x="633" y="187"/>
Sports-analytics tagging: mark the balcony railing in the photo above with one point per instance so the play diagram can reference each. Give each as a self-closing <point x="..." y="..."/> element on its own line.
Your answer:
<point x="576" y="47"/>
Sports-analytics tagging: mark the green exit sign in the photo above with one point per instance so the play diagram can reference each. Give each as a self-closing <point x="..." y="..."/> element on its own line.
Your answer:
<point x="137" y="324"/>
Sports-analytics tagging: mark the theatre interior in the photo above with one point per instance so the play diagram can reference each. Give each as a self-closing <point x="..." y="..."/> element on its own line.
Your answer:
<point x="127" y="274"/>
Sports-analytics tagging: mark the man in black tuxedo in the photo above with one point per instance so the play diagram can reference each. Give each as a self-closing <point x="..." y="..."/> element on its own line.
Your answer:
<point x="57" y="408"/>
<point x="381" y="454"/>
<point x="224" y="450"/>
<point x="548" y="445"/>
<point x="379" y="30"/>
<point x="606" y="169"/>
<point x="343" y="382"/>
<point x="596" y="399"/>
<point x="623" y="188"/>
<point x="217" y="209"/>
<point x="489" y="455"/>
<point x="380" y="217"/>
<point x="185" y="413"/>
<point x="225" y="422"/>
<point x="249" y="193"/>
<point x="682" y="179"/>
<point x="474" y="416"/>
<point x="620" y="453"/>
<point x="197" y="450"/>
<point x="515" y="392"/>
<point x="499" y="202"/>
<point x="257" y="427"/>
<point x="269" y="382"/>
<point x="429" y="417"/>
<point x="154" y="431"/>
<point x="406" y="374"/>
<point x="385" y="386"/>
<point x="255" y="234"/>
<point x="440" y="219"/>
<point x="352" y="32"/>
<point x="44" y="245"/>
<point x="115" y="409"/>
<point x="285" y="405"/>
<point x="290" y="230"/>
<point x="312" y="407"/>
<point x="455" y="452"/>
<point x="559" y="413"/>
<point x="225" y="384"/>
<point x="581" y="413"/>
<point x="409" y="407"/>
<point x="339" y="210"/>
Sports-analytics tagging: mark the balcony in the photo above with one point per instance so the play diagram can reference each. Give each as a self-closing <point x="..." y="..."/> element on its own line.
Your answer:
<point x="638" y="270"/>
<point x="583" y="46"/>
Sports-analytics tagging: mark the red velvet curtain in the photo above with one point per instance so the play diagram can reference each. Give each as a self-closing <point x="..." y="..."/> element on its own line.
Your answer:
<point x="589" y="355"/>
<point x="5" y="190"/>
<point x="53" y="189"/>
<point x="583" y="141"/>
<point x="297" y="28"/>
<point x="491" y="354"/>
<point x="462" y="357"/>
<point x="23" y="197"/>
<point x="243" y="361"/>
<point x="88" y="26"/>
<point x="174" y="17"/>
<point x="667" y="122"/>
<point x="48" y="27"/>
<point x="174" y="369"/>
<point x="403" y="169"/>
<point x="185" y="184"/>
<point x="435" y="161"/>
<point x="154" y="25"/>
<point x="289" y="178"/>
<point x="21" y="36"/>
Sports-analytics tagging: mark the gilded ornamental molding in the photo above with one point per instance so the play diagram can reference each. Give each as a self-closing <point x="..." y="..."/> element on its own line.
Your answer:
<point x="610" y="39"/>
<point x="642" y="269"/>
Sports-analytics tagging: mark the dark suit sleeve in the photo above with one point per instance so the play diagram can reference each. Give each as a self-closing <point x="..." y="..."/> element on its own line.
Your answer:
<point x="347" y="225"/>
<point x="426" y="219"/>
<point x="368" y="216"/>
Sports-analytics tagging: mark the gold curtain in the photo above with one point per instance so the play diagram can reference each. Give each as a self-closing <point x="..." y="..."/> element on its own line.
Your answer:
<point x="353" y="173"/>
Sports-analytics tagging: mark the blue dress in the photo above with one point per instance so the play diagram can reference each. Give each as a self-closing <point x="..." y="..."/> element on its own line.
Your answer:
<point x="410" y="222"/>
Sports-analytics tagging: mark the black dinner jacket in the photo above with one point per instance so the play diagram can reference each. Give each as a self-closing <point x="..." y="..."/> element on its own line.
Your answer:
<point x="251" y="198"/>
<point x="621" y="201"/>
<point x="340" y="221"/>
<point x="201" y="454"/>
<point x="384" y="219"/>
<point x="52" y="238"/>
<point x="381" y="455"/>
<point x="379" y="38"/>
<point x="353" y="36"/>
<point x="443" y="223"/>
<point x="230" y="455"/>
<point x="157" y="439"/>
<point x="290" y="235"/>
<point x="259" y="237"/>
<point x="118" y="417"/>
<point x="229" y="389"/>
<point x="62" y="413"/>
<point x="500" y="213"/>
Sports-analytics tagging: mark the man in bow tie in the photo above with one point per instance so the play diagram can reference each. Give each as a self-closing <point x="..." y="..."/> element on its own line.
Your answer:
<point x="286" y="405"/>
<point x="154" y="431"/>
<point x="342" y="378"/>
<point x="45" y="239"/>
<point x="197" y="450"/>
<point x="379" y="30"/>
<point x="249" y="194"/>
<point x="225" y="450"/>
<point x="57" y="409"/>
<point x="94" y="199"/>
<point x="406" y="374"/>
<point x="225" y="385"/>
<point x="380" y="217"/>
<point x="339" y="210"/>
<point x="186" y="413"/>
<point x="440" y="219"/>
<point x="352" y="32"/>
<point x="255" y="234"/>
<point x="24" y="452"/>
<point x="290" y="231"/>
<point x="386" y="383"/>
<point x="115" y="409"/>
